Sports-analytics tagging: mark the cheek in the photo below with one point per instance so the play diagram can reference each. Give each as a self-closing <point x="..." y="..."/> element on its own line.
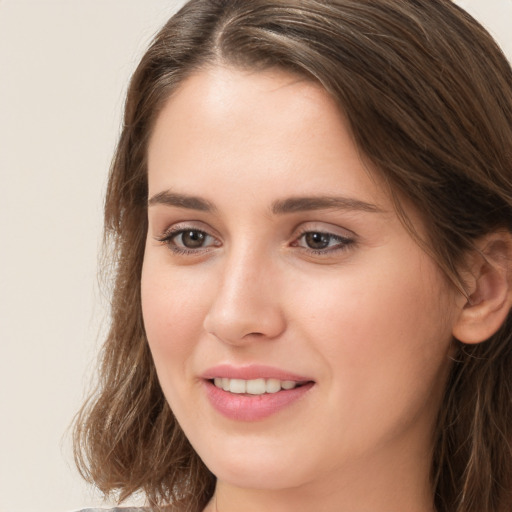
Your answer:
<point x="370" y="312"/>
<point x="173" y="307"/>
<point x="172" y="320"/>
<point x="379" y="324"/>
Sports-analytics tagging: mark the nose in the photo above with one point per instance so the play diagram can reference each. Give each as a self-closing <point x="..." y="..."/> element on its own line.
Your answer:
<point x="246" y="306"/>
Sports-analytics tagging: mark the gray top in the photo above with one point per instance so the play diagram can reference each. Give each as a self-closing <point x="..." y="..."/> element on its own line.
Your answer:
<point x="117" y="509"/>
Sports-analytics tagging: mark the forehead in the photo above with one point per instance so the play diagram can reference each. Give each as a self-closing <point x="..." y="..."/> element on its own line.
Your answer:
<point x="252" y="129"/>
<point x="223" y="92"/>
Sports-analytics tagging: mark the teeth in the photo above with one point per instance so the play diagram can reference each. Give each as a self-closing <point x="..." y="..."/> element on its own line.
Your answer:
<point x="237" y="386"/>
<point x="272" y="385"/>
<point x="254" y="386"/>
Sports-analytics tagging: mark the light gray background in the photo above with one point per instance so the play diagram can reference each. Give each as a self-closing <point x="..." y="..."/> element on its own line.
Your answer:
<point x="64" y="67"/>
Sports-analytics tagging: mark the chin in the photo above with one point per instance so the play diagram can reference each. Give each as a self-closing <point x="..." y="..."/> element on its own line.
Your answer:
<point x="256" y="469"/>
<point x="258" y="478"/>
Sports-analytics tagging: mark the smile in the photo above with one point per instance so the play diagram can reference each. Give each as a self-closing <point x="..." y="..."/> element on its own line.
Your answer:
<point x="254" y="399"/>
<point x="253" y="392"/>
<point x="254" y="386"/>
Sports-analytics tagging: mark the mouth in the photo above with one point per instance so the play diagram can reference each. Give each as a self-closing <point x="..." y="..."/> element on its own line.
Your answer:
<point x="255" y="392"/>
<point x="259" y="386"/>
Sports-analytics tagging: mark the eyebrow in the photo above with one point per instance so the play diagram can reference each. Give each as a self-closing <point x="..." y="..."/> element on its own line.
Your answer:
<point x="279" y="207"/>
<point x="298" y="204"/>
<point x="169" y="198"/>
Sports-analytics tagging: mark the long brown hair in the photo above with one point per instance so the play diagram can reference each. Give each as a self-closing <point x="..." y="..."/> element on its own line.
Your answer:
<point x="428" y="96"/>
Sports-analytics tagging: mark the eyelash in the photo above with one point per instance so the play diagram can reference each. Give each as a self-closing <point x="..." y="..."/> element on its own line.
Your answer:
<point x="171" y="234"/>
<point x="343" y="243"/>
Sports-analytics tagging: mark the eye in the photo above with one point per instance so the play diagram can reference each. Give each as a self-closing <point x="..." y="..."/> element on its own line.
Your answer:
<point x="317" y="240"/>
<point x="188" y="240"/>
<point x="320" y="242"/>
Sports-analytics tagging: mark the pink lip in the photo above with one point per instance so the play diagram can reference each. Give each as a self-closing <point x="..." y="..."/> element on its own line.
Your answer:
<point x="253" y="371"/>
<point x="245" y="407"/>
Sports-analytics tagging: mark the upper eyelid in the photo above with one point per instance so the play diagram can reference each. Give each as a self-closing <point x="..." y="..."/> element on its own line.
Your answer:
<point x="167" y="239"/>
<point x="187" y="225"/>
<point x="174" y="232"/>
<point x="340" y="238"/>
<point x="296" y="232"/>
<point x="323" y="227"/>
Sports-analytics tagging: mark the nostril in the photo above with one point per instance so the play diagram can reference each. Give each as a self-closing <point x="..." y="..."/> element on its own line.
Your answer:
<point x="255" y="334"/>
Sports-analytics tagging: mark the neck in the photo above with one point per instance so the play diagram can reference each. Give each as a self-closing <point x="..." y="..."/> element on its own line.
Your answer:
<point x="380" y="484"/>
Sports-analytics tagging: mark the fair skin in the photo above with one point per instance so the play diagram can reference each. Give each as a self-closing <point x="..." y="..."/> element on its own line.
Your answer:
<point x="239" y="272"/>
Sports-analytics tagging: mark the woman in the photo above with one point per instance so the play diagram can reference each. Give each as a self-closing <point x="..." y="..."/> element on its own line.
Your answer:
<point x="311" y="212"/>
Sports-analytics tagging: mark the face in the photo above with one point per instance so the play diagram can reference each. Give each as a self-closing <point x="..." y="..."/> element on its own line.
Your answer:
<point x="297" y="329"/>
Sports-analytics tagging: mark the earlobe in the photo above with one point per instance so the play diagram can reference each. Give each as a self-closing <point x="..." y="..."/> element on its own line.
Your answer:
<point x="489" y="288"/>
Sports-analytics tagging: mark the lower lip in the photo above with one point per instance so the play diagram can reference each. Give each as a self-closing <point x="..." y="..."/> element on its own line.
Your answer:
<point x="244" y="407"/>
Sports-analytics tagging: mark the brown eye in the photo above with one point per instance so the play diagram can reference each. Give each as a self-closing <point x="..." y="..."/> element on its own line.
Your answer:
<point x="191" y="239"/>
<point x="322" y="243"/>
<point x="317" y="240"/>
<point x="188" y="240"/>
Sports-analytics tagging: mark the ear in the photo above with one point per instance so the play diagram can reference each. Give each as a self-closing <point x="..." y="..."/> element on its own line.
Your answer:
<point x="489" y="289"/>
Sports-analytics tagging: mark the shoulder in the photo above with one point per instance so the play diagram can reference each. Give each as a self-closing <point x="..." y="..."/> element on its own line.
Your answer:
<point x="117" y="509"/>
<point x="167" y="508"/>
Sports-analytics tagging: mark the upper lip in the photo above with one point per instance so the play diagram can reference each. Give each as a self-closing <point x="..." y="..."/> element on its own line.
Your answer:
<point x="250" y="372"/>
